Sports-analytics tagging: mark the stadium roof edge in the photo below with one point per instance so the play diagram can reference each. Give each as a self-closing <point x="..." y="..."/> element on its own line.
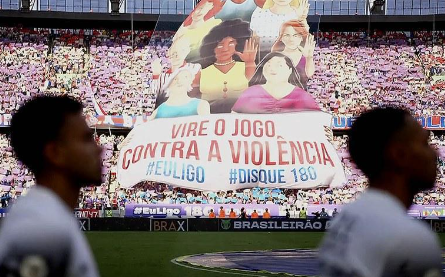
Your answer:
<point x="71" y="20"/>
<point x="380" y="22"/>
<point x="79" y="20"/>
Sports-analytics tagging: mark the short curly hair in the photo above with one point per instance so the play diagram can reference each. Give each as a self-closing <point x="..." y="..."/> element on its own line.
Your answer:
<point x="235" y="28"/>
<point x="38" y="122"/>
<point x="368" y="147"/>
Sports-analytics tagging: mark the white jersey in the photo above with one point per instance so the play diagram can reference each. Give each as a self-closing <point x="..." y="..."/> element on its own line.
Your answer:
<point x="40" y="237"/>
<point x="374" y="237"/>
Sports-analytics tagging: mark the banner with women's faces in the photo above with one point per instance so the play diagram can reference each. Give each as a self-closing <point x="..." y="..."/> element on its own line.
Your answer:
<point x="238" y="53"/>
<point x="232" y="151"/>
<point x="232" y="110"/>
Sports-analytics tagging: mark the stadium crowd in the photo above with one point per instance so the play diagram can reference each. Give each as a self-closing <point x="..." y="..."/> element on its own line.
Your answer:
<point x="15" y="180"/>
<point x="106" y="66"/>
<point x="353" y="73"/>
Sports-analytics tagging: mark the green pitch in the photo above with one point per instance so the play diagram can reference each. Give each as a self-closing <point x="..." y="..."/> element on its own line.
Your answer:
<point x="140" y="254"/>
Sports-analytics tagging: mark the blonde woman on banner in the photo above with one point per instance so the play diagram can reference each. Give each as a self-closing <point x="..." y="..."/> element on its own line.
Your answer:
<point x="266" y="21"/>
<point x="176" y="54"/>
<point x="295" y="42"/>
<point x="179" y="104"/>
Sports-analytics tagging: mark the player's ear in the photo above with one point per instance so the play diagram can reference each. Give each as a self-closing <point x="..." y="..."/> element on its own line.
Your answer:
<point x="53" y="154"/>
<point x="398" y="156"/>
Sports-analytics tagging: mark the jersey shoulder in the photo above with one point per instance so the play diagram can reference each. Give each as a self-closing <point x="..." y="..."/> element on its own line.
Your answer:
<point x="32" y="245"/>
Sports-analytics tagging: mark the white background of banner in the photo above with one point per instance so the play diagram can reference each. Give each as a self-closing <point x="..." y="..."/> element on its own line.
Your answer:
<point x="300" y="126"/>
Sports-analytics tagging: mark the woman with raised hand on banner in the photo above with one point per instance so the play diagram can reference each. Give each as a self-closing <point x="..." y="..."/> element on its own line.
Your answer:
<point x="266" y="21"/>
<point x="228" y="56"/>
<point x="179" y="104"/>
<point x="275" y="88"/>
<point x="176" y="54"/>
<point x="198" y="24"/>
<point x="295" y="42"/>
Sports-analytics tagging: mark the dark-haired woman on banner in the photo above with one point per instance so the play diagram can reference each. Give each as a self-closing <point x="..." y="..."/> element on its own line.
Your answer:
<point x="275" y="88"/>
<point x="228" y="56"/>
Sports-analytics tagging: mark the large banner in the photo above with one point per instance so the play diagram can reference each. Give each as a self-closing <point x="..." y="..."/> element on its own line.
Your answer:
<point x="233" y="151"/>
<point x="339" y="123"/>
<point x="193" y="211"/>
<point x="233" y="109"/>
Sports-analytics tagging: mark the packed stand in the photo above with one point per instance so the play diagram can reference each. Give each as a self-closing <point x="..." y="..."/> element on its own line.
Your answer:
<point x="16" y="179"/>
<point x="353" y="72"/>
<point x="437" y="195"/>
<point x="22" y="66"/>
<point x="120" y="71"/>
<point x="155" y="193"/>
<point x="105" y="67"/>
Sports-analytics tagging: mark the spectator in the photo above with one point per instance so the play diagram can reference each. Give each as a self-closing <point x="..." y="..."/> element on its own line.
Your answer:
<point x="303" y="214"/>
<point x="317" y="214"/>
<point x="254" y="214"/>
<point x="324" y="214"/>
<point x="222" y="213"/>
<point x="243" y="214"/>
<point x="266" y="214"/>
<point x="212" y="214"/>
<point x="232" y="213"/>
<point x="335" y="212"/>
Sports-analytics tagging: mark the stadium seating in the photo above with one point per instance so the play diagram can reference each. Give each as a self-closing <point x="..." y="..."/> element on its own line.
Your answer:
<point x="14" y="178"/>
<point x="352" y="75"/>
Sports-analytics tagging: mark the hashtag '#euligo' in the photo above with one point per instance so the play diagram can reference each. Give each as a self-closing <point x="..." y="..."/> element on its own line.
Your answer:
<point x="150" y="167"/>
<point x="233" y="176"/>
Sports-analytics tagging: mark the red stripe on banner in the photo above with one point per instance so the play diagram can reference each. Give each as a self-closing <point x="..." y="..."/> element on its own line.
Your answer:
<point x="118" y="120"/>
<point x="101" y="109"/>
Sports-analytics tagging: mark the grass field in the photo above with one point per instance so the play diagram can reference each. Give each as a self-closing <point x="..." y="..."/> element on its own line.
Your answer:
<point x="140" y="254"/>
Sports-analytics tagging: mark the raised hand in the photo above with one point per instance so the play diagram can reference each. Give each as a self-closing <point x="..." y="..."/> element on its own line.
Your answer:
<point x="126" y="141"/>
<point x="309" y="46"/>
<point x="304" y="8"/>
<point x="249" y="52"/>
